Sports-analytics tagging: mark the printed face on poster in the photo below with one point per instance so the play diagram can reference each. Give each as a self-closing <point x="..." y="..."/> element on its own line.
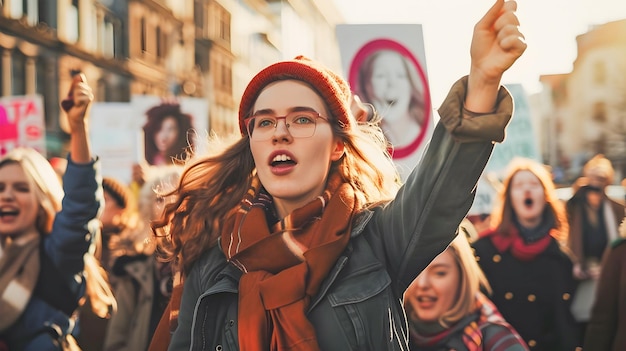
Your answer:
<point x="22" y="123"/>
<point x="119" y="132"/>
<point x="385" y="66"/>
<point x="170" y="127"/>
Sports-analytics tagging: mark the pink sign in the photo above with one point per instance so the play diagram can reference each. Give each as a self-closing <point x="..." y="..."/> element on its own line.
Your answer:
<point x="22" y="123"/>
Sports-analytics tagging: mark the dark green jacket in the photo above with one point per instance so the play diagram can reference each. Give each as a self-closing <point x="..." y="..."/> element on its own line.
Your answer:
<point x="359" y="305"/>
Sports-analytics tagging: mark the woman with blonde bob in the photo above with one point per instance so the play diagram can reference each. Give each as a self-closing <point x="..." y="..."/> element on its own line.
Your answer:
<point x="447" y="310"/>
<point x="524" y="257"/>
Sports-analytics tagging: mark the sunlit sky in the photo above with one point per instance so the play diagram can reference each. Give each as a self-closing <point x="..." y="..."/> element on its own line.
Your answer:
<point x="550" y="28"/>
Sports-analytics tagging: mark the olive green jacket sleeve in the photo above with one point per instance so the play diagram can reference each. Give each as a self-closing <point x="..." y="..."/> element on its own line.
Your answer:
<point x="422" y="219"/>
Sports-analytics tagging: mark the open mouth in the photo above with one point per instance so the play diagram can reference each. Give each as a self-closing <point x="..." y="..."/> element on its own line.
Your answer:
<point x="528" y="202"/>
<point x="426" y="298"/>
<point x="4" y="213"/>
<point x="282" y="160"/>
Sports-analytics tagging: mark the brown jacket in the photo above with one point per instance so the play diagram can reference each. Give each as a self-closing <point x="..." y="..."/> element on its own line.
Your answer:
<point x="575" y="219"/>
<point x="606" y="330"/>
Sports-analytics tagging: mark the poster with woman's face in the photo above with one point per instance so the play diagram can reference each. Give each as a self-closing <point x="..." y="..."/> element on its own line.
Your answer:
<point x="170" y="128"/>
<point x="119" y="129"/>
<point x="385" y="66"/>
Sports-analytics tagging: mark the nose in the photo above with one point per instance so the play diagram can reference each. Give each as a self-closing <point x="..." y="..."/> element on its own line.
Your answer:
<point x="6" y="193"/>
<point x="422" y="281"/>
<point x="281" y="132"/>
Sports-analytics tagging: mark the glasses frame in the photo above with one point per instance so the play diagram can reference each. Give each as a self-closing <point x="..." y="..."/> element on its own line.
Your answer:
<point x="284" y="117"/>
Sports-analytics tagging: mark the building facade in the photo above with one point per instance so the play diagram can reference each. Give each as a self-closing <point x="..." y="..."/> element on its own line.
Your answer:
<point x="200" y="48"/>
<point x="584" y="112"/>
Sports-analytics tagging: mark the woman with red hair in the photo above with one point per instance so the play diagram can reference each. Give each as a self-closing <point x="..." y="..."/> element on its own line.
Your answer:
<point x="525" y="262"/>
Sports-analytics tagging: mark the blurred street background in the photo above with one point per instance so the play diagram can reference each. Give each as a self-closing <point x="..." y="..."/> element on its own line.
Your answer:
<point x="573" y="73"/>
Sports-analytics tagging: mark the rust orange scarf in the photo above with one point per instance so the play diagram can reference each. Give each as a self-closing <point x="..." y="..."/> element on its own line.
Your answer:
<point x="284" y="266"/>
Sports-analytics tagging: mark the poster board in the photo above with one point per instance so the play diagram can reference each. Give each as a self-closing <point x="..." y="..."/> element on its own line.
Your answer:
<point x="118" y="137"/>
<point x="385" y="65"/>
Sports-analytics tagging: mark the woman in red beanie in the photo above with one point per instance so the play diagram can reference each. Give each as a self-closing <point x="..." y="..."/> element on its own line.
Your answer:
<point x="298" y="236"/>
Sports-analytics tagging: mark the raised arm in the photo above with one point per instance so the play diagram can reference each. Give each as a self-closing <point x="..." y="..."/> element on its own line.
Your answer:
<point x="69" y="239"/>
<point x="81" y="97"/>
<point x="439" y="192"/>
<point x="496" y="44"/>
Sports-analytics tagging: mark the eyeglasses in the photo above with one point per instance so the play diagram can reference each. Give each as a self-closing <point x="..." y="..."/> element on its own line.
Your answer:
<point x="301" y="124"/>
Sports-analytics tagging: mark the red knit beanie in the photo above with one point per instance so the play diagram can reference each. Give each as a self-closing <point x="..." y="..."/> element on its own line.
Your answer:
<point x="330" y="86"/>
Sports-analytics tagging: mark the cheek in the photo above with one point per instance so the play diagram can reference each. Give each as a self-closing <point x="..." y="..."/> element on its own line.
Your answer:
<point x="34" y="212"/>
<point x="31" y="201"/>
<point x="449" y="290"/>
<point x="255" y="150"/>
<point x="516" y="196"/>
<point x="379" y="85"/>
<point x="173" y="133"/>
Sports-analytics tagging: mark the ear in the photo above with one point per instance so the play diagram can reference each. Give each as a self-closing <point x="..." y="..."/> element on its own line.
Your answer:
<point x="338" y="151"/>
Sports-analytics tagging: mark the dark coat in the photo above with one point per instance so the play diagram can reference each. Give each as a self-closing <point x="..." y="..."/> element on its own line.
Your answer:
<point x="533" y="296"/>
<point x="575" y="218"/>
<point x="606" y="330"/>
<point x="359" y="305"/>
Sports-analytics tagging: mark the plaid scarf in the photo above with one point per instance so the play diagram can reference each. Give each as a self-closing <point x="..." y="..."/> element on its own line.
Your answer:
<point x="19" y="269"/>
<point x="471" y="330"/>
<point x="285" y="264"/>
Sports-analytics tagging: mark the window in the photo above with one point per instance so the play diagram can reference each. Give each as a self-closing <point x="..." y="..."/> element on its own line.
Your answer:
<point x="47" y="13"/>
<point x="224" y="30"/>
<point x="220" y="23"/>
<point x="18" y="74"/>
<point x="16" y="9"/>
<point x="108" y="36"/>
<point x="159" y="42"/>
<point x="31" y="9"/>
<point x="40" y="80"/>
<point x="44" y="83"/>
<point x="599" y="73"/>
<point x="25" y="9"/>
<point x="144" y="39"/>
<point x="72" y="23"/>
<point x="198" y="14"/>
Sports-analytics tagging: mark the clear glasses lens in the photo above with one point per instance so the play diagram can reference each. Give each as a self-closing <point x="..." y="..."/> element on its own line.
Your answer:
<point x="301" y="124"/>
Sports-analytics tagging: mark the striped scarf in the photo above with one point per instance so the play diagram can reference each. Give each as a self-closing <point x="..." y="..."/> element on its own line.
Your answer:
<point x="284" y="263"/>
<point x="19" y="269"/>
<point x="470" y="330"/>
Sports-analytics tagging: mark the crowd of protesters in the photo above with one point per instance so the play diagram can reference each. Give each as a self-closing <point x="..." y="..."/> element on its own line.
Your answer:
<point x="220" y="252"/>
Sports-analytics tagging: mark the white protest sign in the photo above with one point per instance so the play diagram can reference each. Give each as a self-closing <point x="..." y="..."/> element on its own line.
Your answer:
<point x="385" y="65"/>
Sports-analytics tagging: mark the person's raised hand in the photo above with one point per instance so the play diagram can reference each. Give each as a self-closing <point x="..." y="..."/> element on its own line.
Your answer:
<point x="77" y="102"/>
<point x="497" y="42"/>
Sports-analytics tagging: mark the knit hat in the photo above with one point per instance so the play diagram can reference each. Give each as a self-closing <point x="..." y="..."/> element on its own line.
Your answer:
<point x="330" y="86"/>
<point x="120" y="192"/>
